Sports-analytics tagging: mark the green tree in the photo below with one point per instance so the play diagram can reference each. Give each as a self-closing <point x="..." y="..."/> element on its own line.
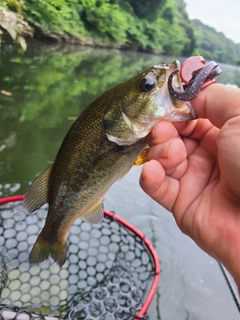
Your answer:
<point x="214" y="45"/>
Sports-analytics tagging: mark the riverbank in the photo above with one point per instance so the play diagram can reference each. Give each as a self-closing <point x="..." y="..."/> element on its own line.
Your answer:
<point x="159" y="26"/>
<point x="155" y="26"/>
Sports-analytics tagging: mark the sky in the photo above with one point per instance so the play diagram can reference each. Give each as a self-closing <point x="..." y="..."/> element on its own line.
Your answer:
<point x="222" y="15"/>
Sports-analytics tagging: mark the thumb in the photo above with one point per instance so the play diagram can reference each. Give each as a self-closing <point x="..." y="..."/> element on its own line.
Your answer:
<point x="218" y="103"/>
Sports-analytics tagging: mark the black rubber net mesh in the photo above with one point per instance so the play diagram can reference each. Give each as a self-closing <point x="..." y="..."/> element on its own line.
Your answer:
<point x="107" y="275"/>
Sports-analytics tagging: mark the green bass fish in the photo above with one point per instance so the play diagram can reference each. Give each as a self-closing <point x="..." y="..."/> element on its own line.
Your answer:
<point x="100" y="147"/>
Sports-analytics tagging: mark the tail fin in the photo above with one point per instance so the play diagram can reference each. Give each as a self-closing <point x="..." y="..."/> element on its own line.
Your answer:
<point x="42" y="250"/>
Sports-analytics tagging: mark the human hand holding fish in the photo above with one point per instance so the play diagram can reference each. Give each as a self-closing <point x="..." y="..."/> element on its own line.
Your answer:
<point x="103" y="144"/>
<point x="193" y="170"/>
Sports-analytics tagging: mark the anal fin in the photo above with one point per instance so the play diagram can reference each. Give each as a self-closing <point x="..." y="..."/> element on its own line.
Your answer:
<point x="95" y="215"/>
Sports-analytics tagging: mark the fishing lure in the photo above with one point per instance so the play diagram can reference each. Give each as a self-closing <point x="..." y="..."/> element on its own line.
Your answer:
<point x="196" y="74"/>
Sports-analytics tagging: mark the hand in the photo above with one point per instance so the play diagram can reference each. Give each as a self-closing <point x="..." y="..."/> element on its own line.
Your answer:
<point x="193" y="170"/>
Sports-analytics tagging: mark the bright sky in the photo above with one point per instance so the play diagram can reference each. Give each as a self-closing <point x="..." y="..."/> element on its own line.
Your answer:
<point x="222" y="15"/>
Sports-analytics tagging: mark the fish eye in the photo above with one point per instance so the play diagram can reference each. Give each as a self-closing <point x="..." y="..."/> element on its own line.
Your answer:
<point x="146" y="85"/>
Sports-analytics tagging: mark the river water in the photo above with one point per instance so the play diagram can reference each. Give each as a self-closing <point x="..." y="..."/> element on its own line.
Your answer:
<point x="48" y="87"/>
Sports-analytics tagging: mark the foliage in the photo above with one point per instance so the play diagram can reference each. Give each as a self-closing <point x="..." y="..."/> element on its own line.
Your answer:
<point x="151" y="25"/>
<point x="14" y="23"/>
<point x="159" y="26"/>
<point x="56" y="16"/>
<point x="215" y="45"/>
<point x="187" y="26"/>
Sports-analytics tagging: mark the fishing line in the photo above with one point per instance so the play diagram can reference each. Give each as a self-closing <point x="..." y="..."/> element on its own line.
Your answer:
<point x="231" y="286"/>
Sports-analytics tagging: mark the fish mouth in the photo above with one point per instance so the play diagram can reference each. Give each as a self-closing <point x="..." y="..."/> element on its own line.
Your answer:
<point x="175" y="109"/>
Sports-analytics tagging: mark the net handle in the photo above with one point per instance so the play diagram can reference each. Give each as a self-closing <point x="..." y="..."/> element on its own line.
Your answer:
<point x="153" y="288"/>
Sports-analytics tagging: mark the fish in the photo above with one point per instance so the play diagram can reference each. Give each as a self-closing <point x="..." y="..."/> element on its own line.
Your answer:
<point x="100" y="147"/>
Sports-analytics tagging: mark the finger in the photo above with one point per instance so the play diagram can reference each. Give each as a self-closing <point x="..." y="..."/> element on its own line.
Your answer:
<point x="201" y="131"/>
<point x="190" y="145"/>
<point x="151" y="177"/>
<point x="159" y="186"/>
<point x="228" y="143"/>
<point x="170" y="154"/>
<point x="179" y="171"/>
<point x="218" y="103"/>
<point x="162" y="132"/>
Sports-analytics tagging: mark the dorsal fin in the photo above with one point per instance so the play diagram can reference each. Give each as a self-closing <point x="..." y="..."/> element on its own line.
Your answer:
<point x="96" y="214"/>
<point x="36" y="195"/>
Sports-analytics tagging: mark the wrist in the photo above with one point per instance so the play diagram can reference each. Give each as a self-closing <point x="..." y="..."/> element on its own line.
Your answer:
<point x="230" y="256"/>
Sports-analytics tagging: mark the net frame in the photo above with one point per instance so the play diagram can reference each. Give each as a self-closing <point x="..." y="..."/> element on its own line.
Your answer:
<point x="18" y="314"/>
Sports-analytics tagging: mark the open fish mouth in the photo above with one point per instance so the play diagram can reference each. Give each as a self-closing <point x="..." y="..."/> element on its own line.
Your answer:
<point x="200" y="77"/>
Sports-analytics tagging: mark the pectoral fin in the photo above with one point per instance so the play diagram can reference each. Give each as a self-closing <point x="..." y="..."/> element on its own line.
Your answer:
<point x="36" y="195"/>
<point x="96" y="214"/>
<point x="142" y="158"/>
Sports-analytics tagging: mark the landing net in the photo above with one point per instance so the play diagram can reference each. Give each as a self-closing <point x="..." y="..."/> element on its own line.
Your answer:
<point x="112" y="270"/>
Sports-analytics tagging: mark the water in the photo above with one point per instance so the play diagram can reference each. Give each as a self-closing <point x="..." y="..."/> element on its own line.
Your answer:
<point x="50" y="86"/>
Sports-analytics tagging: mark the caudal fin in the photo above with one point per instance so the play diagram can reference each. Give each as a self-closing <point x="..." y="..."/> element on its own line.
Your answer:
<point x="42" y="250"/>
